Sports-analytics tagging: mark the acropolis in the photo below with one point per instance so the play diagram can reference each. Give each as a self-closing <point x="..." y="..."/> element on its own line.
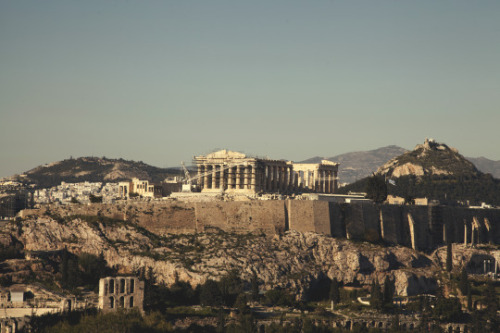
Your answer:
<point x="235" y="172"/>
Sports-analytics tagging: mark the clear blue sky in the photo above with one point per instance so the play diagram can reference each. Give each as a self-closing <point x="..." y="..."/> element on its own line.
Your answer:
<point x="161" y="81"/>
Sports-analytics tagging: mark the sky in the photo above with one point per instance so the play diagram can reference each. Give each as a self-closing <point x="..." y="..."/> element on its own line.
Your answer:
<point x="163" y="81"/>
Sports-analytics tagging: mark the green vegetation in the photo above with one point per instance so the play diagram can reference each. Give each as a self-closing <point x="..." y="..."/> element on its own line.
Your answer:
<point x="13" y="251"/>
<point x="376" y="188"/>
<point x="84" y="270"/>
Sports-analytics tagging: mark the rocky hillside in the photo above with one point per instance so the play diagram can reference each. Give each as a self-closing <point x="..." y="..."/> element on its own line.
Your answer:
<point x="292" y="260"/>
<point x="295" y="261"/>
<point x="430" y="158"/>
<point x="94" y="169"/>
<point x="356" y="165"/>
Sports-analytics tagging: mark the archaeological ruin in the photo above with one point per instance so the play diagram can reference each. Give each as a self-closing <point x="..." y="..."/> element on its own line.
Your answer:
<point x="235" y="172"/>
<point x="121" y="292"/>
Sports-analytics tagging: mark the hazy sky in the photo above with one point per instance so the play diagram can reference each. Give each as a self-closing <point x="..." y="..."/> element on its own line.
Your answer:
<point x="161" y="81"/>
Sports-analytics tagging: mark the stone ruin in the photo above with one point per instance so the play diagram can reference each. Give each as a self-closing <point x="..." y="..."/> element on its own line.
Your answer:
<point x="121" y="292"/>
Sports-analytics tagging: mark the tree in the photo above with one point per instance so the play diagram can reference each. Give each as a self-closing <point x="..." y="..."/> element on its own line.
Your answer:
<point x="388" y="292"/>
<point x="335" y="291"/>
<point x="449" y="258"/>
<point x="255" y="287"/>
<point x="469" y="299"/>
<point x="463" y="283"/>
<point x="376" y="188"/>
<point x="376" y="296"/>
<point x="210" y="294"/>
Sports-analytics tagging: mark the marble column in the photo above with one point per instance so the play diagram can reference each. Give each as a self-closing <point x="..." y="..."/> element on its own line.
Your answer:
<point x="323" y="180"/>
<point x="253" y="178"/>
<point x="245" y="178"/>
<point x="230" y="178"/>
<point x="205" y="176"/>
<point x="314" y="176"/>
<point x="327" y="181"/>
<point x="268" y="178"/>
<point x="214" y="176"/>
<point x="330" y="181"/>
<point x="275" y="178"/>
<point x="280" y="179"/>
<point x="222" y="181"/>
<point x="199" y="181"/>
<point x="238" y="177"/>
<point x="285" y="178"/>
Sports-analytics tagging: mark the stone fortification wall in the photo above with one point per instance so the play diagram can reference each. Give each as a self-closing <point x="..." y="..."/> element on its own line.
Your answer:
<point x="391" y="221"/>
<point x="305" y="215"/>
<point x="361" y="221"/>
<point x="421" y="227"/>
<point x="421" y="232"/>
<point x="251" y="216"/>
<point x="337" y="220"/>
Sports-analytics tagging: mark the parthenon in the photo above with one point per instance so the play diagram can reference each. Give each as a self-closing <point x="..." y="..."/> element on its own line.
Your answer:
<point x="231" y="171"/>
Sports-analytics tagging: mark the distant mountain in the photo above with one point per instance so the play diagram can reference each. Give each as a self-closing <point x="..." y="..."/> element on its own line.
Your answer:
<point x="429" y="158"/>
<point x="357" y="165"/>
<point x="486" y="165"/>
<point x="94" y="169"/>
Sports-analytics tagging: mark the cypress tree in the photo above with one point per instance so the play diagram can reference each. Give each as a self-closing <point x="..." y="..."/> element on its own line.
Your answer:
<point x="335" y="291"/>
<point x="388" y="292"/>
<point x="64" y="268"/>
<point x="255" y="287"/>
<point x="469" y="299"/>
<point x="463" y="284"/>
<point x="376" y="296"/>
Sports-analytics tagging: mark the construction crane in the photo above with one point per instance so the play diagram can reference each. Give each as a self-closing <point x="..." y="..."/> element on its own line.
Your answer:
<point x="187" y="177"/>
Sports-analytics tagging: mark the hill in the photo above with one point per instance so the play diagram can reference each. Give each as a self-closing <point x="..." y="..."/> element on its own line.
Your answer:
<point x="430" y="158"/>
<point x="360" y="164"/>
<point x="438" y="172"/>
<point x="94" y="169"/>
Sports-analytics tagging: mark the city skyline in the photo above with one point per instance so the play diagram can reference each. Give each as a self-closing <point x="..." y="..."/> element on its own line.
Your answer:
<point x="162" y="81"/>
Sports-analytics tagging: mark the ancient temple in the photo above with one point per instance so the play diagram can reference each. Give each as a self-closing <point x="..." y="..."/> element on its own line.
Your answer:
<point x="231" y="171"/>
